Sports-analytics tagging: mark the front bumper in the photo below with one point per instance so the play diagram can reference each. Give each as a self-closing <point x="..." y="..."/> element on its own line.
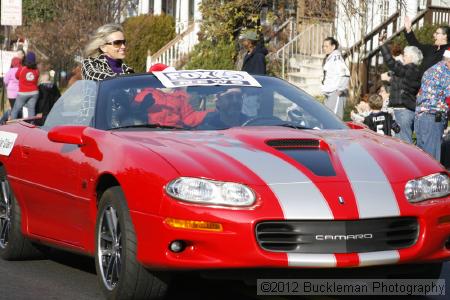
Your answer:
<point x="237" y="247"/>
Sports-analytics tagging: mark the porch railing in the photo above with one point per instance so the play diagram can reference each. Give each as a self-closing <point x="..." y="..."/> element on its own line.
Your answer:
<point x="174" y="51"/>
<point x="308" y="42"/>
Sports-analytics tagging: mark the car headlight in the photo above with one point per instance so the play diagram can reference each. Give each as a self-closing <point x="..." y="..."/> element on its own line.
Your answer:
<point x="432" y="186"/>
<point x="204" y="191"/>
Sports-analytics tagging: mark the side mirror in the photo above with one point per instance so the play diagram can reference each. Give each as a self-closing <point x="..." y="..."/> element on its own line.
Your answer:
<point x="71" y="134"/>
<point x="353" y="125"/>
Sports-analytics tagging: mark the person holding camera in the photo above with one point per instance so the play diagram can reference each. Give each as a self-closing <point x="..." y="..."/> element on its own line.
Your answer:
<point x="432" y="108"/>
<point x="405" y="83"/>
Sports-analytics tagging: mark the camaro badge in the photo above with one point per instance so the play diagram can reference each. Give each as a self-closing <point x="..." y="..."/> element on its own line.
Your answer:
<point x="341" y="199"/>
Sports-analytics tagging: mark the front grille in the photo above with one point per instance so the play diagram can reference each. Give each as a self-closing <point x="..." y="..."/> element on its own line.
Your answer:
<point x="337" y="236"/>
<point x="293" y="143"/>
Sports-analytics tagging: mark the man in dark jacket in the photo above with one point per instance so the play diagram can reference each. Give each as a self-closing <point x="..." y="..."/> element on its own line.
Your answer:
<point x="405" y="84"/>
<point x="432" y="54"/>
<point x="255" y="58"/>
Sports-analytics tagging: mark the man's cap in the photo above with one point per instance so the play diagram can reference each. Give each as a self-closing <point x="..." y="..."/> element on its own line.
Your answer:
<point x="447" y="53"/>
<point x="249" y="35"/>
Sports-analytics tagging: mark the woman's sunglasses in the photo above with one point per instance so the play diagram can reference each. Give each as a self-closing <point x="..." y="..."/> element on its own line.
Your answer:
<point x="117" y="43"/>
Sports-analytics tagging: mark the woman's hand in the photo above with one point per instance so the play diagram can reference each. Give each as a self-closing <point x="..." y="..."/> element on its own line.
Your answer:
<point x="382" y="37"/>
<point x="407" y="24"/>
<point x="385" y="77"/>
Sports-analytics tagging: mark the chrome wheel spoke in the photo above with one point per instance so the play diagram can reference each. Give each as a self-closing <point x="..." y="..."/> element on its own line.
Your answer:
<point x="109" y="247"/>
<point x="106" y="237"/>
<point x="111" y="220"/>
<point x="4" y="233"/>
<point x="107" y="252"/>
<point x="5" y="192"/>
<point x="5" y="213"/>
<point x="110" y="270"/>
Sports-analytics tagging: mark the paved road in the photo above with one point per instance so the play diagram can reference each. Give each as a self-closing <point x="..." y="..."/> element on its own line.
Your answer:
<point x="68" y="276"/>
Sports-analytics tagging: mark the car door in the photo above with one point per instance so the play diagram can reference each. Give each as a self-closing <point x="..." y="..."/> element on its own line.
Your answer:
<point x="56" y="210"/>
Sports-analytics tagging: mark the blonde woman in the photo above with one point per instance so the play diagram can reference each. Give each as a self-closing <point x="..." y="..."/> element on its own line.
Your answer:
<point x="104" y="53"/>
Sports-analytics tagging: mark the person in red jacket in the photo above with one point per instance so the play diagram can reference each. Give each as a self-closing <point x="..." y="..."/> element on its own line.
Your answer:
<point x="28" y="94"/>
<point x="168" y="108"/>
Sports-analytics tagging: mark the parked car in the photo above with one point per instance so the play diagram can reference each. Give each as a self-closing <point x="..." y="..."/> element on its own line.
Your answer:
<point x="215" y="170"/>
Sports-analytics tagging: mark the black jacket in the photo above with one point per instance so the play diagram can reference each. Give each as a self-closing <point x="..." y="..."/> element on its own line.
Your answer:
<point x="48" y="95"/>
<point x="382" y="122"/>
<point x="432" y="54"/>
<point x="255" y="62"/>
<point x="405" y="81"/>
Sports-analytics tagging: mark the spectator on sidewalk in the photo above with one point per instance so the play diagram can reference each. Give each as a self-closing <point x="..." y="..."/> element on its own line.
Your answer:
<point x="405" y="83"/>
<point x="335" y="77"/>
<point x="380" y="121"/>
<point x="11" y="82"/>
<point x="432" y="54"/>
<point x="48" y="95"/>
<point x="28" y="76"/>
<point x="361" y="110"/>
<point x="105" y="52"/>
<point x="255" y="57"/>
<point x="432" y="108"/>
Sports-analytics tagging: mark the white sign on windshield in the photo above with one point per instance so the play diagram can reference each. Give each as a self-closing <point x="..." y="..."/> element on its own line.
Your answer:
<point x="173" y="79"/>
<point x="11" y="12"/>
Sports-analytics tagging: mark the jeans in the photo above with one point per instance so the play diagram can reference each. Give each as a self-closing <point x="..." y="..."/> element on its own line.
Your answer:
<point x="429" y="133"/>
<point x="405" y="119"/>
<point x="27" y="100"/>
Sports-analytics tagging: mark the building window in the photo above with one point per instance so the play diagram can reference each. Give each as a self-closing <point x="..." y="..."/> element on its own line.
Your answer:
<point x="384" y="7"/>
<point x="169" y="7"/>
<point x="191" y="9"/>
<point x="151" y="6"/>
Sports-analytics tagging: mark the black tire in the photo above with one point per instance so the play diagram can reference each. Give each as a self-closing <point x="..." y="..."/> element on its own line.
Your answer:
<point x="13" y="245"/>
<point x="119" y="274"/>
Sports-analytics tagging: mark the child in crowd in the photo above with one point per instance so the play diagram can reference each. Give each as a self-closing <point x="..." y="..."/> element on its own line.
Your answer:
<point x="361" y="110"/>
<point x="380" y="121"/>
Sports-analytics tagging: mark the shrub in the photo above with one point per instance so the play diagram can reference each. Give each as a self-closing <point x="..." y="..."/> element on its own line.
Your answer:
<point x="146" y="32"/>
<point x="212" y="55"/>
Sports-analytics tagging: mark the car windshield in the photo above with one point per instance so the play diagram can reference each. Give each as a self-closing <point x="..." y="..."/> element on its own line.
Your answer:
<point x="141" y="101"/>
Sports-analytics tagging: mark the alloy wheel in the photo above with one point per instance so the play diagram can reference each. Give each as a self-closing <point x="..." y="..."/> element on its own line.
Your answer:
<point x="109" y="247"/>
<point x="5" y="212"/>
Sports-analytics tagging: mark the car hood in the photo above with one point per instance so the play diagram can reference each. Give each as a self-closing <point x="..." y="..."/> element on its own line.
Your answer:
<point x="262" y="155"/>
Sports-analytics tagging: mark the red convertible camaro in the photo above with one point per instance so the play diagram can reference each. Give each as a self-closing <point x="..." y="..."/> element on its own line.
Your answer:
<point x="215" y="170"/>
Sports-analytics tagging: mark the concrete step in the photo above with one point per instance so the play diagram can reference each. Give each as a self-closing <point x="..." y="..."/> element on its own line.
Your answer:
<point x="305" y="79"/>
<point x="308" y="70"/>
<point x="312" y="89"/>
<point x="313" y="60"/>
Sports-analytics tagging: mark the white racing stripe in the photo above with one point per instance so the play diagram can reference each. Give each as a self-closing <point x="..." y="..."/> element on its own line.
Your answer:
<point x="312" y="260"/>
<point x="373" y="192"/>
<point x="378" y="258"/>
<point x="298" y="196"/>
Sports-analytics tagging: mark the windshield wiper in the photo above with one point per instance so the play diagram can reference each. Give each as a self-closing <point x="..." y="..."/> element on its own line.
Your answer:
<point x="293" y="125"/>
<point x="156" y="125"/>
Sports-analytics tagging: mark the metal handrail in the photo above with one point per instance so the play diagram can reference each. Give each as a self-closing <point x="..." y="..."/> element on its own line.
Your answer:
<point x="308" y="42"/>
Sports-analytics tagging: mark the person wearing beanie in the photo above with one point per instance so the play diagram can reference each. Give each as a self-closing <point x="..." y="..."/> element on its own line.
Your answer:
<point x="28" y="94"/>
<point x="105" y="53"/>
<point x="255" y="56"/>
<point x="432" y="108"/>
